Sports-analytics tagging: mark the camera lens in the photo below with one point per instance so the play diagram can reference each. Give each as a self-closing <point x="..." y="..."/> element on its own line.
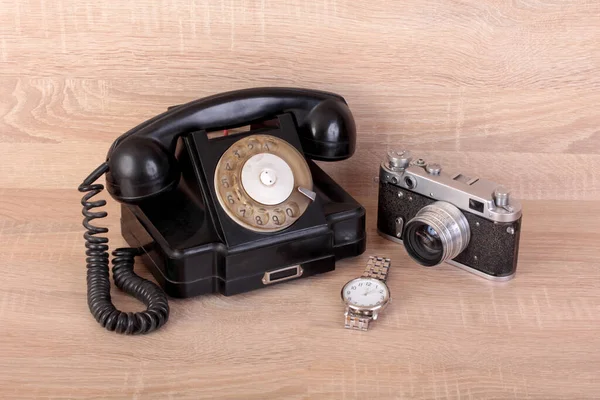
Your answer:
<point x="438" y="232"/>
<point x="425" y="243"/>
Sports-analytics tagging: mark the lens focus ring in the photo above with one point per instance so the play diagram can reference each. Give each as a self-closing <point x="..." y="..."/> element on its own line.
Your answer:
<point x="451" y="227"/>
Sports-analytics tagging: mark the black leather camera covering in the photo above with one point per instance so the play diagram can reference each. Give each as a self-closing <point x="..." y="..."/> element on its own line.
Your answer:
<point x="491" y="250"/>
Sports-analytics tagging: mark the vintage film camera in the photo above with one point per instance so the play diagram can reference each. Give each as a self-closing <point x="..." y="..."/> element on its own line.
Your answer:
<point x="468" y="222"/>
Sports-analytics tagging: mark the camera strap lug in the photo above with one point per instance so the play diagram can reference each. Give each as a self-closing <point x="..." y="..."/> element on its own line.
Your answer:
<point x="399" y="226"/>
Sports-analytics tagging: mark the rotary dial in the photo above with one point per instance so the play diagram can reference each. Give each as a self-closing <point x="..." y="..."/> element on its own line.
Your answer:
<point x="263" y="183"/>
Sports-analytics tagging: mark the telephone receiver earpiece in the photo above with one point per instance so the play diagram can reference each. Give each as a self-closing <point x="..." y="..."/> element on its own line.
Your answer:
<point x="142" y="163"/>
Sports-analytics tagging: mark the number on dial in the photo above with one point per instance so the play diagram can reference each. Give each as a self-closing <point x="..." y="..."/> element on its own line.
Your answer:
<point x="253" y="144"/>
<point x="225" y="181"/>
<point x="244" y="210"/>
<point x="229" y="164"/>
<point x="238" y="154"/>
<point x="292" y="209"/>
<point x="262" y="217"/>
<point x="230" y="198"/>
<point x="278" y="216"/>
<point x="269" y="145"/>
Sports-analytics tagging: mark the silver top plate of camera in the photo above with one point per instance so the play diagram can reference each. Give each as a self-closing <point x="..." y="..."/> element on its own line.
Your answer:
<point x="471" y="194"/>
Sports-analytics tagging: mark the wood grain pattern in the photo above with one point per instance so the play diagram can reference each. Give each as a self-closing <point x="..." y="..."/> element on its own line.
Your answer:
<point x="505" y="90"/>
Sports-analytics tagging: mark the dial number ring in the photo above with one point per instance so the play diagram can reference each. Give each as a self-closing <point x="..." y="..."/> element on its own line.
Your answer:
<point x="240" y="206"/>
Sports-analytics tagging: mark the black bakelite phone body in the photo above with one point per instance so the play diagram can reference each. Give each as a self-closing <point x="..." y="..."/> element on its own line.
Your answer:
<point x="221" y="195"/>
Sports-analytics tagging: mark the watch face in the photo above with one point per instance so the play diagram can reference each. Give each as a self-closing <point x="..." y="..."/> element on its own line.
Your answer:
<point x="365" y="293"/>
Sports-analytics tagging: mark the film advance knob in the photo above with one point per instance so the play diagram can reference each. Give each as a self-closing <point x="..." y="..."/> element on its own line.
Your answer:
<point x="398" y="159"/>
<point x="501" y="196"/>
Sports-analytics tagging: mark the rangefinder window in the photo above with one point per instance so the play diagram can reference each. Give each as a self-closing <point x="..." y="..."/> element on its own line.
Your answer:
<point x="476" y="205"/>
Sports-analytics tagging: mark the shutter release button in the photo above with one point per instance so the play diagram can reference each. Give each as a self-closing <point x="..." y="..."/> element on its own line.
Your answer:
<point x="433" y="169"/>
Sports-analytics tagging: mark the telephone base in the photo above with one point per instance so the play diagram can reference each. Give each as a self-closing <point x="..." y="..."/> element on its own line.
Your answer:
<point x="186" y="255"/>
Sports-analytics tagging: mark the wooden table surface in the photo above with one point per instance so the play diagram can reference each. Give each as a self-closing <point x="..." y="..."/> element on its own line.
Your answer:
<point x="504" y="90"/>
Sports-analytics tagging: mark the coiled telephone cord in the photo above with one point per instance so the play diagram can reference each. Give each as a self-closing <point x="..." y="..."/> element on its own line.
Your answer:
<point x="98" y="283"/>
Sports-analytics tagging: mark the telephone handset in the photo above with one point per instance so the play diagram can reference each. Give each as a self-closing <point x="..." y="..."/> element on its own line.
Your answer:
<point x="211" y="211"/>
<point x="325" y="127"/>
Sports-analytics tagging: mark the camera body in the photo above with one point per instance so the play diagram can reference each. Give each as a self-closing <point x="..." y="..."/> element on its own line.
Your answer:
<point x="468" y="222"/>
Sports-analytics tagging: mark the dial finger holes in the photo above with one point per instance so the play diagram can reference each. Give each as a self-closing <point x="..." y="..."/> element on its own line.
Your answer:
<point x="245" y="211"/>
<point x="252" y="146"/>
<point x="278" y="216"/>
<point x="230" y="164"/>
<point x="230" y="197"/>
<point x="226" y="181"/>
<point x="292" y="209"/>
<point x="261" y="217"/>
<point x="238" y="153"/>
<point x="269" y="145"/>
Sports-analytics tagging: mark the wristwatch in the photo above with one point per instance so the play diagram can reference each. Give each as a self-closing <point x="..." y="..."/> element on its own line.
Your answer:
<point x="365" y="297"/>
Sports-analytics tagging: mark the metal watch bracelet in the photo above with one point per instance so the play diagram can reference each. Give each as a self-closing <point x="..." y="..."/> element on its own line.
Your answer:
<point x="377" y="268"/>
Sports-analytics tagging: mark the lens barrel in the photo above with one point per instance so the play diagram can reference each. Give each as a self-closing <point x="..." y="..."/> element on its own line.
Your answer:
<point x="438" y="232"/>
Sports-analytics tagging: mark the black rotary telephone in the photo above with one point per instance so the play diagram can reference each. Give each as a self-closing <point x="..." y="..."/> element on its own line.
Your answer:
<point x="220" y="195"/>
